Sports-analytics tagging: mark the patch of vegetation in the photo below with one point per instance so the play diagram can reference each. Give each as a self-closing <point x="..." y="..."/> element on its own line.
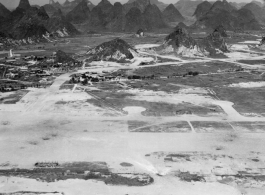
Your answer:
<point x="5" y="123"/>
<point x="217" y="80"/>
<point x="66" y="86"/>
<point x="252" y="62"/>
<point x="193" y="69"/>
<point x="218" y="147"/>
<point x="177" y="127"/>
<point x="33" y="143"/>
<point x="14" y="97"/>
<point x="258" y="127"/>
<point x="186" y="176"/>
<point x="246" y="100"/>
<point x="116" y="179"/>
<point x="46" y="138"/>
<point x="211" y="126"/>
<point x="119" y="100"/>
<point x="51" y="172"/>
<point x="125" y="164"/>
<point x="62" y="102"/>
<point x="54" y="134"/>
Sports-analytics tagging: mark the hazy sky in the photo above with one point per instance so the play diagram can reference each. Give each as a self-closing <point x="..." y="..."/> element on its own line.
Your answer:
<point x="14" y="3"/>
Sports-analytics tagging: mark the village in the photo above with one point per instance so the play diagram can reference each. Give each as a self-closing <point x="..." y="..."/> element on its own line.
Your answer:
<point x="20" y="72"/>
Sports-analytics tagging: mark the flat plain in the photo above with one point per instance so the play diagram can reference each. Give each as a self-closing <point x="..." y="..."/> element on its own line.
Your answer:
<point x="192" y="134"/>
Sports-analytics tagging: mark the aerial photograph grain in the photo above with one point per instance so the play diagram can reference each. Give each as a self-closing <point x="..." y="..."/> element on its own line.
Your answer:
<point x="132" y="97"/>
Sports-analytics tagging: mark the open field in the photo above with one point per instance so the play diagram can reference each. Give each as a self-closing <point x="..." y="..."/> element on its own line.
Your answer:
<point x="164" y="131"/>
<point x="177" y="127"/>
<point x="211" y="127"/>
<point x="12" y="97"/>
<point x="247" y="101"/>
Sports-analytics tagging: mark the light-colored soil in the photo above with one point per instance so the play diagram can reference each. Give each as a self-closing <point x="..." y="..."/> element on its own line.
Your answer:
<point x="50" y="124"/>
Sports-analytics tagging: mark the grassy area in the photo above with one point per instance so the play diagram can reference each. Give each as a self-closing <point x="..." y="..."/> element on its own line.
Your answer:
<point x="13" y="97"/>
<point x="154" y="85"/>
<point x="67" y="86"/>
<point x="246" y="100"/>
<point x="252" y="62"/>
<point x="217" y="80"/>
<point x="119" y="100"/>
<point x="174" y="127"/>
<point x="250" y="127"/>
<point x="210" y="126"/>
<point x="176" y="70"/>
<point x="80" y="170"/>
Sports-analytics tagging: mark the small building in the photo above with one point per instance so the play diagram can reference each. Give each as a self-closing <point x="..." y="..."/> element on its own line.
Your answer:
<point x="10" y="75"/>
<point x="140" y="33"/>
<point x="23" y="68"/>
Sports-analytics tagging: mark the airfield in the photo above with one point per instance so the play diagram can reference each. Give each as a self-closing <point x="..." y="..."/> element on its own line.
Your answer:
<point x="210" y="126"/>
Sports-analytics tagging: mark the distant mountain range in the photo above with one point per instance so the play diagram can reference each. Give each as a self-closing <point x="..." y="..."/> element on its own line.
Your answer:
<point x="202" y="9"/>
<point x="80" y="13"/>
<point x="30" y="22"/>
<point x="187" y="7"/>
<point x="57" y="19"/>
<point x="257" y="10"/>
<point x="172" y="14"/>
<point x="223" y="13"/>
<point x="106" y="16"/>
<point x="4" y="12"/>
<point x="141" y="4"/>
<point x="68" y="6"/>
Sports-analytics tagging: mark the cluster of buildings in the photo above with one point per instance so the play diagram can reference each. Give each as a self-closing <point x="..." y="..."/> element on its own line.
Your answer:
<point x="94" y="77"/>
<point x="90" y="77"/>
<point x="33" y="70"/>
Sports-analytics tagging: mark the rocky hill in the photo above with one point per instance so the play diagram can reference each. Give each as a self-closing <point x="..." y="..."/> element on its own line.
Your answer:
<point x="24" y="4"/>
<point x="80" y="13"/>
<point x="108" y="17"/>
<point x="99" y="16"/>
<point x="27" y="22"/>
<point x="261" y="4"/>
<point x="142" y="4"/>
<point x="214" y="44"/>
<point x="202" y="9"/>
<point x="221" y="30"/>
<point x="117" y="18"/>
<point x="222" y="13"/>
<point x="148" y="17"/>
<point x="67" y="3"/>
<point x="134" y="20"/>
<point x="56" y="5"/>
<point x="50" y="9"/>
<point x="222" y="5"/>
<point x="182" y="25"/>
<point x="153" y="18"/>
<point x="187" y="7"/>
<point x="116" y="50"/>
<point x="258" y="11"/>
<point x="171" y="14"/>
<point x="181" y="43"/>
<point x="68" y="6"/>
<point x="58" y="24"/>
<point x="24" y="23"/>
<point x="4" y="12"/>
<point x="238" y="5"/>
